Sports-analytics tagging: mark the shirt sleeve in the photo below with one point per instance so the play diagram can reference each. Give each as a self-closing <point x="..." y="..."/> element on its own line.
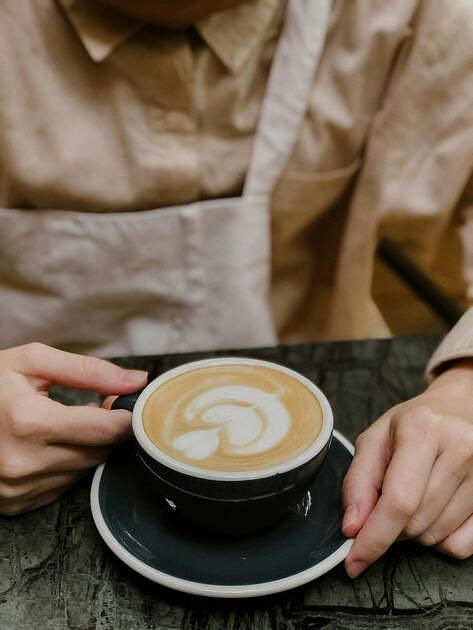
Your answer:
<point x="458" y="344"/>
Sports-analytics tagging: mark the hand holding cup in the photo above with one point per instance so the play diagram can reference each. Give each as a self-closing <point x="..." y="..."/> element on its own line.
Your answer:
<point x="45" y="446"/>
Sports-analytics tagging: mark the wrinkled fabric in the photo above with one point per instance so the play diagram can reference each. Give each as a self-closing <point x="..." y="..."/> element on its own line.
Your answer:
<point x="102" y="115"/>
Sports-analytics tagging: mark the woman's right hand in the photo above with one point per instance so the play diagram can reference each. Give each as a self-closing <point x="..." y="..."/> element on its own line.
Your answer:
<point x="45" y="446"/>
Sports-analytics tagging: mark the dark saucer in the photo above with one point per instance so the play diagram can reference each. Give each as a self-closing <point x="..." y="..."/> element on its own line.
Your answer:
<point x="151" y="540"/>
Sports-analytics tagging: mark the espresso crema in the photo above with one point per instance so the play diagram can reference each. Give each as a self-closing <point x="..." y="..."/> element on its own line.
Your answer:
<point x="232" y="418"/>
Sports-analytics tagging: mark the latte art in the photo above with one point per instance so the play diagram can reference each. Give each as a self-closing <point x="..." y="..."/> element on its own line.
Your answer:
<point x="252" y="420"/>
<point x="232" y="417"/>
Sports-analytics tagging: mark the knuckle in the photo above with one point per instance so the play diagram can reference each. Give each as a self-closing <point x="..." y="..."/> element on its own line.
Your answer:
<point x="91" y="367"/>
<point x="464" y="449"/>
<point x="361" y="440"/>
<point x="12" y="508"/>
<point x="418" y="420"/>
<point x="108" y="432"/>
<point x="33" y="351"/>
<point x="93" y="458"/>
<point x="427" y="539"/>
<point x="457" y="549"/>
<point x="9" y="376"/>
<point x="351" y="480"/>
<point x="402" y="504"/>
<point x="347" y="481"/>
<point x="347" y="486"/>
<point x="12" y="468"/>
<point x="8" y="492"/>
<point x="415" y="528"/>
<point x="111" y="433"/>
<point x="22" y="418"/>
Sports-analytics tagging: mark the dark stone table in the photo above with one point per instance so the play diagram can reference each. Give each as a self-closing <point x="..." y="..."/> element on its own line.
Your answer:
<point x="55" y="571"/>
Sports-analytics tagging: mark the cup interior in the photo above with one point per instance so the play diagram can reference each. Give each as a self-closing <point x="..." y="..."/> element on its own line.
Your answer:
<point x="166" y="460"/>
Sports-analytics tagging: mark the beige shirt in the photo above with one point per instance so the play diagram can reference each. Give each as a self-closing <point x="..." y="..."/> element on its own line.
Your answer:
<point x="100" y="113"/>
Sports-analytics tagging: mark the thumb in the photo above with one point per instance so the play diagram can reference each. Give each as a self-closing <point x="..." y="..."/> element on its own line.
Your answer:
<point x="364" y="479"/>
<point x="108" y="402"/>
<point x="75" y="370"/>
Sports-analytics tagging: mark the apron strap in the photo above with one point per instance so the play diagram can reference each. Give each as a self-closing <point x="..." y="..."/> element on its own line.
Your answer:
<point x="288" y="91"/>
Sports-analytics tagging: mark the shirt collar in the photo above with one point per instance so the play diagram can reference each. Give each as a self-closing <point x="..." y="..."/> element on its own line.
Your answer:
<point x="232" y="34"/>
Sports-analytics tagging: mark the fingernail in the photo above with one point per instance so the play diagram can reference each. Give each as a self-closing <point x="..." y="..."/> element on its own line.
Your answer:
<point x="134" y="377"/>
<point x="355" y="568"/>
<point x="350" y="516"/>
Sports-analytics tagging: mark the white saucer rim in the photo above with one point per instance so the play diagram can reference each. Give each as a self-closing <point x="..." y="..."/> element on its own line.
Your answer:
<point x="213" y="590"/>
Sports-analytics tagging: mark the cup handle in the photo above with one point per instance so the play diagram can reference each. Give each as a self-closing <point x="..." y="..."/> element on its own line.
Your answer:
<point x="126" y="402"/>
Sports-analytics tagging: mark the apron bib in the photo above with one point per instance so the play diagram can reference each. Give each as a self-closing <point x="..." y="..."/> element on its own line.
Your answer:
<point x="174" y="279"/>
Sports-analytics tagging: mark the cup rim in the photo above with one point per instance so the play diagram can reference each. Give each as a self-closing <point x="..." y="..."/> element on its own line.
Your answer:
<point x="203" y="473"/>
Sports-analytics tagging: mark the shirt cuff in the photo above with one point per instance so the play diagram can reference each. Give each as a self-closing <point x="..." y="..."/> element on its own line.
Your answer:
<point x="458" y="344"/>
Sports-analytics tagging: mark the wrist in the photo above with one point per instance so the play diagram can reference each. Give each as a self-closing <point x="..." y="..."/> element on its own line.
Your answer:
<point x="457" y="372"/>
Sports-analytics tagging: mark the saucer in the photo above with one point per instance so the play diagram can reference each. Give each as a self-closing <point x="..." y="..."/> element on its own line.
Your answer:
<point x="146" y="536"/>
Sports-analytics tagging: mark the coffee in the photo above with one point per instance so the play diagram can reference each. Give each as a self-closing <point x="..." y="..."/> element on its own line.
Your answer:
<point x="232" y="417"/>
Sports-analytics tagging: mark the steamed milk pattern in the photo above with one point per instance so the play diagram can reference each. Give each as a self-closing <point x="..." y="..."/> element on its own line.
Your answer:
<point x="232" y="418"/>
<point x="253" y="422"/>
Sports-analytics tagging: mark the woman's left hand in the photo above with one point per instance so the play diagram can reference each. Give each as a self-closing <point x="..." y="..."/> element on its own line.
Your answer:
<point x="412" y="474"/>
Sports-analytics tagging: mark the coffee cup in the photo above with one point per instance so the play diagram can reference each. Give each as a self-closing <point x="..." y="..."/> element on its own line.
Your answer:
<point x="230" y="444"/>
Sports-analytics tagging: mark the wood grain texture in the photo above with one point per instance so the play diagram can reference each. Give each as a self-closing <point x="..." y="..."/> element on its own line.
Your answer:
<point x="56" y="573"/>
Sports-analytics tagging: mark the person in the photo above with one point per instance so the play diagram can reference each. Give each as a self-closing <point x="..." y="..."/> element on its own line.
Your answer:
<point x="190" y="176"/>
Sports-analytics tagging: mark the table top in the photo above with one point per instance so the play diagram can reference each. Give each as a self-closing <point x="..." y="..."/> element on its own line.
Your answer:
<point x="55" y="571"/>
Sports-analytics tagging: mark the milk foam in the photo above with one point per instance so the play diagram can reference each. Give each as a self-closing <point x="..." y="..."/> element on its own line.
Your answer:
<point x="252" y="420"/>
<point x="232" y="417"/>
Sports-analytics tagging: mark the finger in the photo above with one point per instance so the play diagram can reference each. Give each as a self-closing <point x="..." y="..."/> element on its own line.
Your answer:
<point x="72" y="458"/>
<point x="75" y="370"/>
<point x="403" y="487"/>
<point x="108" y="402"/>
<point x="444" y="482"/>
<point x="30" y="494"/>
<point x="56" y="458"/>
<point x="458" y="509"/>
<point x="40" y="501"/>
<point x="82" y="425"/>
<point x="362" y="483"/>
<point x="459" y="544"/>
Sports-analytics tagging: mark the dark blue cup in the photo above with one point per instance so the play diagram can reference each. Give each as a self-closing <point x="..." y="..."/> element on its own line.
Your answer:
<point x="228" y="502"/>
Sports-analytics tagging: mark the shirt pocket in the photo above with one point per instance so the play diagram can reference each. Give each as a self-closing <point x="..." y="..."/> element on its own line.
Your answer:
<point x="301" y="198"/>
<point x="307" y="220"/>
<point x="320" y="190"/>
